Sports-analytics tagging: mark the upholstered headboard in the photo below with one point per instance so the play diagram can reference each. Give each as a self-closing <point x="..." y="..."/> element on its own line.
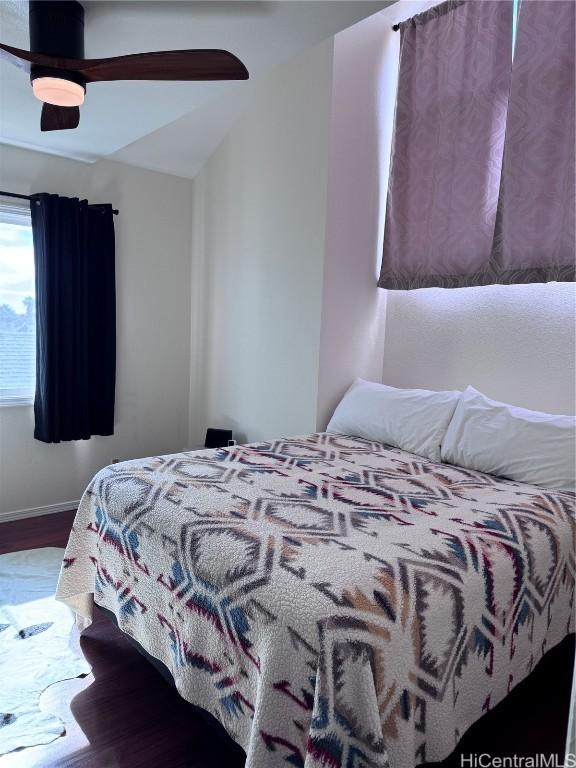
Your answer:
<point x="515" y="343"/>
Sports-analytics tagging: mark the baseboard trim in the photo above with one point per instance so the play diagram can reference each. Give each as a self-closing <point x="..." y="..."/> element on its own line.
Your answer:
<point x="20" y="514"/>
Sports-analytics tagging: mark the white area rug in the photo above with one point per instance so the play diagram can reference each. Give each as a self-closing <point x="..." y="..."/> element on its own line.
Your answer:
<point x="36" y="649"/>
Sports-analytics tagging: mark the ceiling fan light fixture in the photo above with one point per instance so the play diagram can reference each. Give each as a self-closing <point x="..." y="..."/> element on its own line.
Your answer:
<point x="58" y="91"/>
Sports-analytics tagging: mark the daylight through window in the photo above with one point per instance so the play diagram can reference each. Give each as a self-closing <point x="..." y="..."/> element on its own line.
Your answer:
<point x="17" y="307"/>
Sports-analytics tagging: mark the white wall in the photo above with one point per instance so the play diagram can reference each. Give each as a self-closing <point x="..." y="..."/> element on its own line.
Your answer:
<point x="363" y="102"/>
<point x="153" y="328"/>
<point x="353" y="308"/>
<point x="259" y="221"/>
<point x="515" y="343"/>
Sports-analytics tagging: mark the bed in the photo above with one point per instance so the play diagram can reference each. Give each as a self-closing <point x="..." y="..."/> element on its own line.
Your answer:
<point x="332" y="601"/>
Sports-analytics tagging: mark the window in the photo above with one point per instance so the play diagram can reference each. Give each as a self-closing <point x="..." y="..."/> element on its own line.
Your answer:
<point x="515" y="10"/>
<point x="17" y="307"/>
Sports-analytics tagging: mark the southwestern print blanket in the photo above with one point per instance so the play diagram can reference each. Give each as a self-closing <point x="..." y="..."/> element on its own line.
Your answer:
<point x="332" y="601"/>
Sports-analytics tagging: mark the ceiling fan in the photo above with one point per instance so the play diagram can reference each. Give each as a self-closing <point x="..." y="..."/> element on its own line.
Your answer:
<point x="59" y="72"/>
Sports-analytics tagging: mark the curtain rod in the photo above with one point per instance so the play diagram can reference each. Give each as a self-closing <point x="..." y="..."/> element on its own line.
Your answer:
<point x="28" y="197"/>
<point x="431" y="13"/>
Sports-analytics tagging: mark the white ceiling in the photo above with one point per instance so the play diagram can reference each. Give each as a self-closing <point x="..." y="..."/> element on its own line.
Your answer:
<point x="170" y="127"/>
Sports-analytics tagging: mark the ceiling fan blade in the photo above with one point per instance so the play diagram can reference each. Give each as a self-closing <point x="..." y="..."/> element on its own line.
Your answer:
<point x="209" y="64"/>
<point x="17" y="56"/>
<point x="26" y="59"/>
<point x="59" y="118"/>
<point x="200" y="64"/>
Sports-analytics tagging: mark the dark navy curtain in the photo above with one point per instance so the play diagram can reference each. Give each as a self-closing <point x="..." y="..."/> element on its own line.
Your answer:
<point x="75" y="318"/>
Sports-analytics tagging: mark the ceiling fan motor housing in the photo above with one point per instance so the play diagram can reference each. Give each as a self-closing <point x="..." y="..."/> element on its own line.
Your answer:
<point x="57" y="29"/>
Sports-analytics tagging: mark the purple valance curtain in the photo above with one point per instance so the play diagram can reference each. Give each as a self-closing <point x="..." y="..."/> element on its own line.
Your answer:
<point x="459" y="212"/>
<point x="453" y="87"/>
<point x="535" y="232"/>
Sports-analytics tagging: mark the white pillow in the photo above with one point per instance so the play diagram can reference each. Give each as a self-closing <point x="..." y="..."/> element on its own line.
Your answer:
<point x="500" y="439"/>
<point x="412" y="419"/>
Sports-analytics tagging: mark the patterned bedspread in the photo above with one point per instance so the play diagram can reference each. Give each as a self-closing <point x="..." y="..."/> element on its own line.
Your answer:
<point x="332" y="601"/>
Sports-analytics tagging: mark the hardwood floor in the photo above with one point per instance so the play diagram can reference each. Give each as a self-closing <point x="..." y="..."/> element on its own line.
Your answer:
<point x="34" y="532"/>
<point x="125" y="715"/>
